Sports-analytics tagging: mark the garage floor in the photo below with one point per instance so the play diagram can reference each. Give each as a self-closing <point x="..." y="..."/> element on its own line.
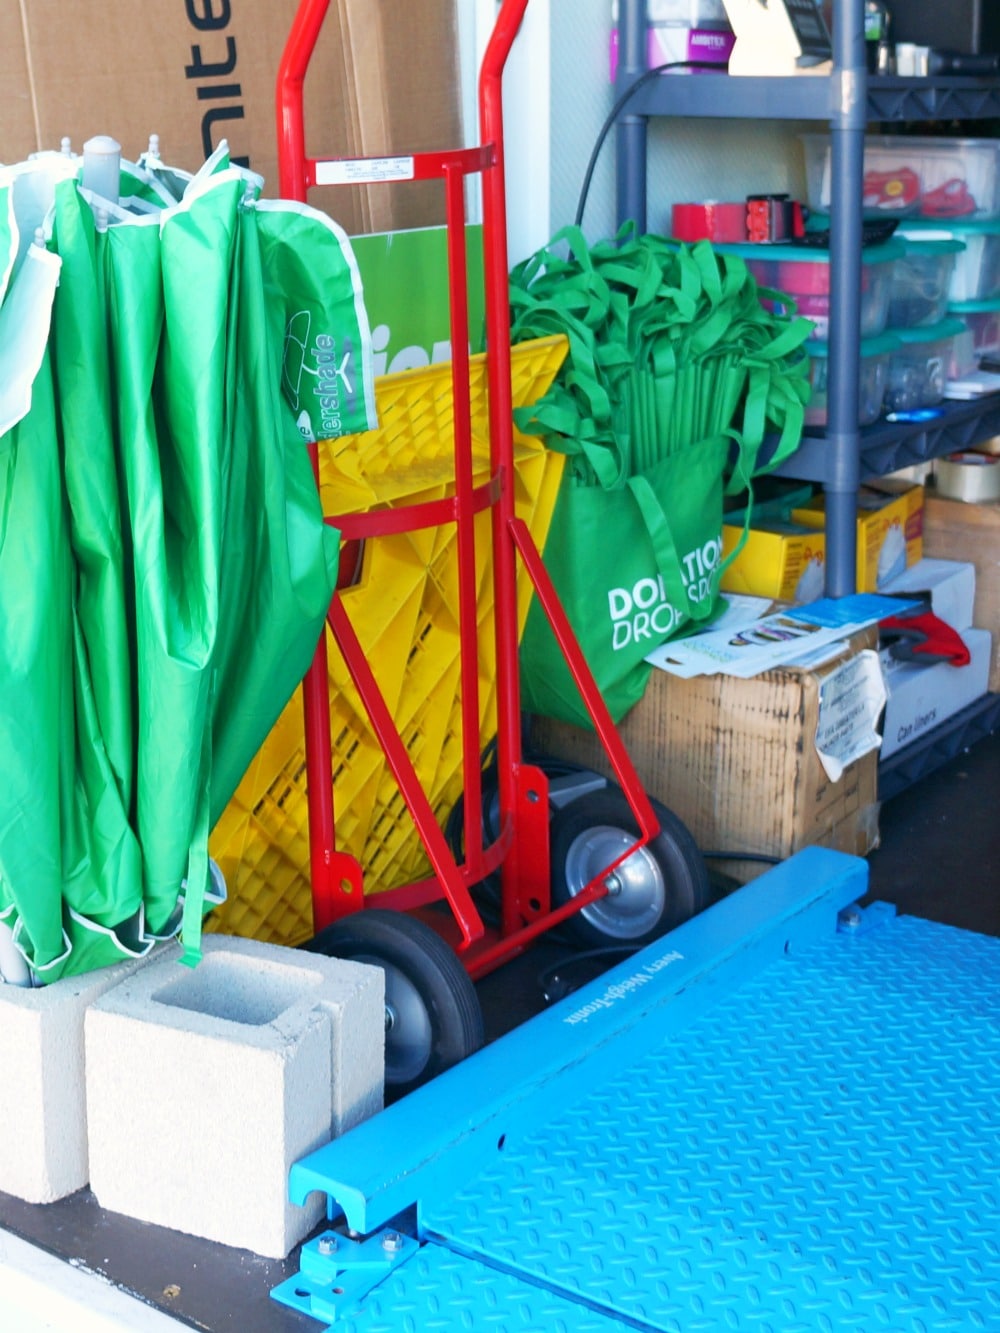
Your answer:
<point x="939" y="858"/>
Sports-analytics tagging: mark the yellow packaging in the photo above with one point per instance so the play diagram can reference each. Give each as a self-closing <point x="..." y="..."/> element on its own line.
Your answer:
<point x="785" y="550"/>
<point x="780" y="559"/>
<point x="889" y="528"/>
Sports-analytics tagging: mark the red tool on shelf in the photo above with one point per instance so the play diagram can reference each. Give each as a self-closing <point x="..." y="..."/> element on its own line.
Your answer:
<point x="421" y="983"/>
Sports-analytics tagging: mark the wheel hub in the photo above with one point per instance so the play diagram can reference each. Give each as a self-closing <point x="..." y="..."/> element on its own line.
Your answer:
<point x="636" y="891"/>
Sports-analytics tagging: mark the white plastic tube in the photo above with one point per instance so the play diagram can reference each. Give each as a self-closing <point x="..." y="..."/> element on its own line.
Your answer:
<point x="102" y="159"/>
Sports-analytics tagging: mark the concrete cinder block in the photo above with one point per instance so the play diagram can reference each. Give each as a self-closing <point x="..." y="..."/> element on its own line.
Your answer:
<point x="205" y="1085"/>
<point x="43" y="1111"/>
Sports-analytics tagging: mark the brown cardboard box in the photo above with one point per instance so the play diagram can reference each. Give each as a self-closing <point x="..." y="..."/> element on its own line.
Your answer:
<point x="736" y="761"/>
<point x="384" y="79"/>
<point x="954" y="530"/>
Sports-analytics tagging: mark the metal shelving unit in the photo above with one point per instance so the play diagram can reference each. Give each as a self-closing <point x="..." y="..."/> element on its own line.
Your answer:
<point x="843" y="454"/>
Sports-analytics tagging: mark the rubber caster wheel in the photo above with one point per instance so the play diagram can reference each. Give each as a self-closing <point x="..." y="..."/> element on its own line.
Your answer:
<point x="656" y="888"/>
<point x="432" y="1014"/>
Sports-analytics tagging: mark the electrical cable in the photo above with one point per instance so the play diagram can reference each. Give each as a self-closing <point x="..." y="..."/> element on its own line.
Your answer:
<point x="555" y="988"/>
<point x="615" y="112"/>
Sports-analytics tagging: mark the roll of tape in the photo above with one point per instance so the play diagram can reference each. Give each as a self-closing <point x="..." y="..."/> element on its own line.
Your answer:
<point x="710" y="221"/>
<point x="972" y="477"/>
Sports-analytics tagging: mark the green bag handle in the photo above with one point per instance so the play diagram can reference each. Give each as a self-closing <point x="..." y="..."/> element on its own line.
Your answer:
<point x="668" y="561"/>
<point x="665" y="339"/>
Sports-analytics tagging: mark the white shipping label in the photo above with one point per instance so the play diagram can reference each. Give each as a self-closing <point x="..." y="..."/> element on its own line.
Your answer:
<point x="851" y="699"/>
<point x="364" y="170"/>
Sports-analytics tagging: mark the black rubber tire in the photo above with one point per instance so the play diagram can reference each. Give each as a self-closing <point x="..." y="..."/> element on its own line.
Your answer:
<point x="660" y="886"/>
<point x="433" y="1015"/>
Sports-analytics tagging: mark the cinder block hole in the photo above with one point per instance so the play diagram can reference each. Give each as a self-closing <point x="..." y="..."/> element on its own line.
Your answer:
<point x="239" y="989"/>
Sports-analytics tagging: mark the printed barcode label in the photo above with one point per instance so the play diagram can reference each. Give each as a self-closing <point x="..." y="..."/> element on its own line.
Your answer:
<point x="364" y="170"/>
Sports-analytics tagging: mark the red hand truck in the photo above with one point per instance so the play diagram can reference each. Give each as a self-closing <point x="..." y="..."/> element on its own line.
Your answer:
<point x="432" y="1013"/>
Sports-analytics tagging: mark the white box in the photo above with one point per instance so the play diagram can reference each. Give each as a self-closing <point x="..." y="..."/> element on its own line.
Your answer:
<point x="205" y="1085"/>
<point x="950" y="585"/>
<point x="922" y="697"/>
<point x="43" y="1110"/>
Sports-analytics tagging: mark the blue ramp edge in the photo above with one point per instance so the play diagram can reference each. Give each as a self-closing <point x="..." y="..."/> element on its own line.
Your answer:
<point x="819" y="1151"/>
<point x="418" y="1148"/>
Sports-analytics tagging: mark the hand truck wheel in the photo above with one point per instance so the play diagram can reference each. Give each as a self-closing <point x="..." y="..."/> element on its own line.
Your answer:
<point x="656" y="888"/>
<point x="432" y="1014"/>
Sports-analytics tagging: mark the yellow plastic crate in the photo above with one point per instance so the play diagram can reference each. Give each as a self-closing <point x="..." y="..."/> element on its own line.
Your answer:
<point x="404" y="610"/>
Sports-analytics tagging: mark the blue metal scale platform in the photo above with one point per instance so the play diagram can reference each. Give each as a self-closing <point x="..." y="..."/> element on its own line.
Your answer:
<point x="782" y="1117"/>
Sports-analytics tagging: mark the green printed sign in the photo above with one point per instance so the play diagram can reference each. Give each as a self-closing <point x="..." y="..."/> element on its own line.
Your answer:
<point x="406" y="289"/>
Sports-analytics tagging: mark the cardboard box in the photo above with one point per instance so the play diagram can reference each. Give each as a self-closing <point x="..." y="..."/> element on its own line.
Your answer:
<point x="785" y="551"/>
<point x="736" y="760"/>
<point x="949" y="586"/>
<point x="957" y="531"/>
<point x="383" y="80"/>
<point x="922" y="697"/>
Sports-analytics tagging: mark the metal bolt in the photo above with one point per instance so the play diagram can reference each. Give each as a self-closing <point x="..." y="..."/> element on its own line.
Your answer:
<point x="392" y="1242"/>
<point x="613" y="885"/>
<point x="327" y="1245"/>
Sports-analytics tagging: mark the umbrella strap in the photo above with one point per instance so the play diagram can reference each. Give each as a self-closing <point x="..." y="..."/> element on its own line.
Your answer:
<point x="197" y="872"/>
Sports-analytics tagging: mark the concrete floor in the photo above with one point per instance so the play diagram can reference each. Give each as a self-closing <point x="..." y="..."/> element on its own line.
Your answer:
<point x="939" y="858"/>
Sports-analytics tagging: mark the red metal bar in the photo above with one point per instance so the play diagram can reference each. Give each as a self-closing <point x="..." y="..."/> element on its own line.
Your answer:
<point x="523" y="793"/>
<point x="593" y="700"/>
<point x="408" y="518"/>
<point x="429" y="165"/>
<point x="292" y="68"/>
<point x="399" y="761"/>
<point x="468" y="617"/>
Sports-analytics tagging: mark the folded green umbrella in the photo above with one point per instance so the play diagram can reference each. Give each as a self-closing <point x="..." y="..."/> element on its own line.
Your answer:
<point x="164" y="536"/>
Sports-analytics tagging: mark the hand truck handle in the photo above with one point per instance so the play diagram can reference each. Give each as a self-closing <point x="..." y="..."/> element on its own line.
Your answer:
<point x="298" y="52"/>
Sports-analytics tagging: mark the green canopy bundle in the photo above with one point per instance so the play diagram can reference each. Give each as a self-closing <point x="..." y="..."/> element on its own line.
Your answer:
<point x="676" y="373"/>
<point x="165" y="570"/>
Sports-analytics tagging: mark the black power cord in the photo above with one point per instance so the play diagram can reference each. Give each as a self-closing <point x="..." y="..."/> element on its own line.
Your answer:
<point x="620" y="104"/>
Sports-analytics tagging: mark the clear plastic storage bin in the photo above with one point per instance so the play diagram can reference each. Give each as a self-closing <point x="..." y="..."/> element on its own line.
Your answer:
<point x="921" y="281"/>
<point x="982" y="319"/>
<point x="802" y="273"/>
<point x="919" y="365"/>
<point x="874" y="369"/>
<point x="976" y="275"/>
<point x="904" y="174"/>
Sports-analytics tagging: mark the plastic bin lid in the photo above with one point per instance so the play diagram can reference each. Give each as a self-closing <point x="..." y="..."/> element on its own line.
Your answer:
<point x="933" y="228"/>
<point x="931" y="245"/>
<point x="947" y="328"/>
<point x="974" y="307"/>
<point x="787" y="252"/>
<point x="880" y="344"/>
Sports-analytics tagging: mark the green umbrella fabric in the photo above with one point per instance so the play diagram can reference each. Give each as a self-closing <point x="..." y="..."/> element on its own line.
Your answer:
<point x="187" y="567"/>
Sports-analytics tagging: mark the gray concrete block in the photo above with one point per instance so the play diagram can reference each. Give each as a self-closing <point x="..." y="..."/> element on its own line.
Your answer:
<point x="205" y="1085"/>
<point x="43" y="1112"/>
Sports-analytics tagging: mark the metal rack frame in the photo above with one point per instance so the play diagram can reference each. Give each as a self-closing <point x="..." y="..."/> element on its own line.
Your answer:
<point x="843" y="455"/>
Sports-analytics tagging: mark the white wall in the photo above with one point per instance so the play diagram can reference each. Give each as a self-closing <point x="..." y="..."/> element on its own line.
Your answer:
<point x="557" y="92"/>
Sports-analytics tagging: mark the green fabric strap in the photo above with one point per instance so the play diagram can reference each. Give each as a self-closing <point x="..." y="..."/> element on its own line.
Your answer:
<point x="668" y="559"/>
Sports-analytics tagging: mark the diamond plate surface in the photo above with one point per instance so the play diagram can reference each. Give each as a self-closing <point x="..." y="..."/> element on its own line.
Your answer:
<point x="819" y="1151"/>
<point x="440" y="1292"/>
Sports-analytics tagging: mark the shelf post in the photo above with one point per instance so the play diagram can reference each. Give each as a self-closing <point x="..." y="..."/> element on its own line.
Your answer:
<point x="631" y="129"/>
<point x="847" y="130"/>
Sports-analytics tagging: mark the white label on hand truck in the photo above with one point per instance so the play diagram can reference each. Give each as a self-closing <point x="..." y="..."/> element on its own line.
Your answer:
<point x="364" y="170"/>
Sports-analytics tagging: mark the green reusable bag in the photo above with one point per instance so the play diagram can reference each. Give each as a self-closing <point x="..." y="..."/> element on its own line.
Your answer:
<point x="675" y="373"/>
<point x="629" y="574"/>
